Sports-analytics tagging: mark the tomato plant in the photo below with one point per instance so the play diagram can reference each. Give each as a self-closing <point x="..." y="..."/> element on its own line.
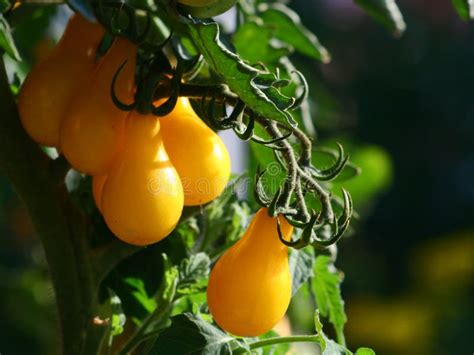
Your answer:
<point x="132" y="98"/>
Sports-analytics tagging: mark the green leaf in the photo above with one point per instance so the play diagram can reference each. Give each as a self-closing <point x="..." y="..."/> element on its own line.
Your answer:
<point x="193" y="273"/>
<point x="301" y="267"/>
<point x="288" y="28"/>
<point x="189" y="334"/>
<point x="253" y="43"/>
<point x="192" y="303"/>
<point x="6" y="40"/>
<point x="140" y="294"/>
<point x="118" y="317"/>
<point x="241" y="78"/>
<point x="386" y="12"/>
<point x="365" y="351"/>
<point x="465" y="8"/>
<point x="326" y="287"/>
<point x="196" y="267"/>
<point x="169" y="283"/>
<point x="4" y="6"/>
<point x="328" y="346"/>
<point x="188" y="230"/>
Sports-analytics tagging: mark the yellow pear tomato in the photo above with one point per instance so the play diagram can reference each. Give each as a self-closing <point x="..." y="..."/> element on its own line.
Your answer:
<point x="52" y="84"/>
<point x="91" y="133"/>
<point x="250" y="286"/>
<point x="198" y="154"/>
<point x="142" y="198"/>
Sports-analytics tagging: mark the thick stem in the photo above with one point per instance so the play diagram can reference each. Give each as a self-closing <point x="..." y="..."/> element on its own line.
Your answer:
<point x="58" y="223"/>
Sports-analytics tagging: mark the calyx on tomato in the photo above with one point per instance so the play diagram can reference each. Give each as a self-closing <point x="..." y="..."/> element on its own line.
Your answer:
<point x="250" y="286"/>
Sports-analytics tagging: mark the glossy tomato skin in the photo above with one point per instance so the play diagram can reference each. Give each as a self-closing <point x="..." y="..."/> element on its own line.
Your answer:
<point x="198" y="154"/>
<point x="51" y="84"/>
<point x="98" y="183"/>
<point x="142" y="198"/>
<point x="91" y="133"/>
<point x="250" y="286"/>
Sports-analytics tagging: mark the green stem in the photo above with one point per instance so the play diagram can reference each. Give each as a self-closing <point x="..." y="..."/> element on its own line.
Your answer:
<point x="279" y="340"/>
<point x="142" y="332"/>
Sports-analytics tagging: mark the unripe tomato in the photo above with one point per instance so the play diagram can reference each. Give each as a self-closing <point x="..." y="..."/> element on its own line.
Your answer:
<point x="197" y="153"/>
<point x="142" y="199"/>
<point x="250" y="286"/>
<point x="98" y="183"/>
<point x="51" y="84"/>
<point x="91" y="133"/>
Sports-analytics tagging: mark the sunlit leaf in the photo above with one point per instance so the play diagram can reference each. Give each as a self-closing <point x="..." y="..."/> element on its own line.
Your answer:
<point x="386" y="12"/>
<point x="118" y="318"/>
<point x="253" y="43"/>
<point x="241" y="78"/>
<point x="465" y="8"/>
<point x="365" y="351"/>
<point x="140" y="294"/>
<point x="169" y="283"/>
<point x="326" y="287"/>
<point x="7" y="43"/>
<point x="328" y="346"/>
<point x="288" y="28"/>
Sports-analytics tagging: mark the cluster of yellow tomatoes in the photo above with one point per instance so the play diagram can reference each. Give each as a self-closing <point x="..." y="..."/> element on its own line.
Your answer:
<point x="146" y="169"/>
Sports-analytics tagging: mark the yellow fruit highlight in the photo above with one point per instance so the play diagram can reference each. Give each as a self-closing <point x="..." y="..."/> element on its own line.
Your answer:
<point x="52" y="84"/>
<point x="250" y="286"/>
<point x="198" y="154"/>
<point x="98" y="183"/>
<point x="91" y="134"/>
<point x="142" y="198"/>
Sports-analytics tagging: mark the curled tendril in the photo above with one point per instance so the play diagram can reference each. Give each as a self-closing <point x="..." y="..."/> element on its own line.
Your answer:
<point x="333" y="171"/>
<point x="248" y="132"/>
<point x="122" y="106"/>
<point x="340" y="226"/>
<point x="304" y="95"/>
<point x="273" y="141"/>
<point x="291" y="147"/>
<point x="142" y="37"/>
<point x="168" y="106"/>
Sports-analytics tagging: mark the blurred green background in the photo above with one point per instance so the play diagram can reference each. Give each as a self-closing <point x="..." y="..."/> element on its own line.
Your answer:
<point x="403" y="108"/>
